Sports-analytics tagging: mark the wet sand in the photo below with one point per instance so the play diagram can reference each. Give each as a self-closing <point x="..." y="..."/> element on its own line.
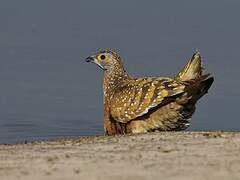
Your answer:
<point x="167" y="155"/>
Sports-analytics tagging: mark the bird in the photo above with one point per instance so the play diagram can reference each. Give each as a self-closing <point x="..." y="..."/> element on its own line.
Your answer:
<point x="149" y="104"/>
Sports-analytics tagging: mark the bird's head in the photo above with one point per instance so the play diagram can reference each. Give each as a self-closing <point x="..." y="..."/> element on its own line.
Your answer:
<point x="106" y="60"/>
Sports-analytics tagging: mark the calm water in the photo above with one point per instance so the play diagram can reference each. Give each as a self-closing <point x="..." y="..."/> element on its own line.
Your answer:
<point x="48" y="91"/>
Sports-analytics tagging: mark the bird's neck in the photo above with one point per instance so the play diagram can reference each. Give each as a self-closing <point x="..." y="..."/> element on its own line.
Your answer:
<point x="114" y="77"/>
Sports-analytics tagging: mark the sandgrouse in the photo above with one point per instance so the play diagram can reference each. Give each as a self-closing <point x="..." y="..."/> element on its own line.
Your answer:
<point x="139" y="105"/>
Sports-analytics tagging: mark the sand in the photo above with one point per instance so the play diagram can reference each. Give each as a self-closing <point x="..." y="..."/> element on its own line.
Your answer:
<point x="167" y="155"/>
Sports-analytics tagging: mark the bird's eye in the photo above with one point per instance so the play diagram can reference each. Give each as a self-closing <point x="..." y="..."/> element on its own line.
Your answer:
<point x="102" y="57"/>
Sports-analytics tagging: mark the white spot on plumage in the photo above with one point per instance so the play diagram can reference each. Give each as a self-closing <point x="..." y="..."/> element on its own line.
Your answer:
<point x="144" y="112"/>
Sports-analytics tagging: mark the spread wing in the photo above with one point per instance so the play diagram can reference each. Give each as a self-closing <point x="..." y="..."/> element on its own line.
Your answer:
<point x="138" y="97"/>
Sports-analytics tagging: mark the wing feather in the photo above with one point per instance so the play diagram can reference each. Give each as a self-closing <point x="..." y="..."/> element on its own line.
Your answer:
<point x="137" y="98"/>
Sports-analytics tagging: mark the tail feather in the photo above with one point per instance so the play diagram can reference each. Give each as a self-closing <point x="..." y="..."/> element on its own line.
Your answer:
<point x="197" y="82"/>
<point x="192" y="70"/>
<point x="204" y="86"/>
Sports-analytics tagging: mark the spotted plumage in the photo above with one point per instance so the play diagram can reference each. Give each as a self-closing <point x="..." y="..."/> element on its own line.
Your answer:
<point x="138" y="105"/>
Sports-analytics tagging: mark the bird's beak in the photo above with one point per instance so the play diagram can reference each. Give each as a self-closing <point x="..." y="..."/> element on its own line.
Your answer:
<point x="93" y="60"/>
<point x="89" y="59"/>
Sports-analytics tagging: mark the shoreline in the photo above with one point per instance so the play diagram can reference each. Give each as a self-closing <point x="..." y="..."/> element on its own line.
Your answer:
<point x="172" y="155"/>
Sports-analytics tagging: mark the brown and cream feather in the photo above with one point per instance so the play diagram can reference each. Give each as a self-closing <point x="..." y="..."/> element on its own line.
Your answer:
<point x="138" y="105"/>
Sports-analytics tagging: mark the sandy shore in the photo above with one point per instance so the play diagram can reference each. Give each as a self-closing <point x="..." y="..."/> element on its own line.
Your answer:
<point x="170" y="155"/>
